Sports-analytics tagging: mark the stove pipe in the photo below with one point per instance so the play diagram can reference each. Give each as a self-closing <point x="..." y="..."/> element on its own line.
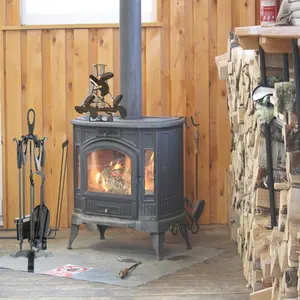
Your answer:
<point x="130" y="57"/>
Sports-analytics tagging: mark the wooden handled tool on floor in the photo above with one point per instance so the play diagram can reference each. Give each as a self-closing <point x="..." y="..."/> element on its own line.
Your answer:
<point x="124" y="273"/>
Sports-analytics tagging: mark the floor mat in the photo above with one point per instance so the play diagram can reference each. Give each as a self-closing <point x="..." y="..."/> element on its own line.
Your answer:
<point x="98" y="262"/>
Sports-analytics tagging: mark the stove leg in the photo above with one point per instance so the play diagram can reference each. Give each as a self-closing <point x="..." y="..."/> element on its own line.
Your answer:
<point x="184" y="233"/>
<point x="102" y="229"/>
<point x="157" y="240"/>
<point x="73" y="234"/>
<point x="76" y="221"/>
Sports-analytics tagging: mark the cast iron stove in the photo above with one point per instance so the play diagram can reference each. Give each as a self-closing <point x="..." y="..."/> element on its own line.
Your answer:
<point x="128" y="170"/>
<point x="129" y="173"/>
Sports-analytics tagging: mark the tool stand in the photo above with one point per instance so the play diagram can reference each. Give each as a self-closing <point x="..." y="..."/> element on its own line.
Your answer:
<point x="34" y="225"/>
<point x="267" y="125"/>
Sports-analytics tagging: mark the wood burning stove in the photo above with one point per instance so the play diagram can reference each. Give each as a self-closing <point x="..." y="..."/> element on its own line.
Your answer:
<point x="129" y="172"/>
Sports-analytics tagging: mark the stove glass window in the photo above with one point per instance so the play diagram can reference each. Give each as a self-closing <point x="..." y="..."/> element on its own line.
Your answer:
<point x="149" y="172"/>
<point x="109" y="171"/>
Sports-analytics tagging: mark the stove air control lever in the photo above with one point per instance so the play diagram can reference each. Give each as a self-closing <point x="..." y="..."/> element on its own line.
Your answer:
<point x="103" y="133"/>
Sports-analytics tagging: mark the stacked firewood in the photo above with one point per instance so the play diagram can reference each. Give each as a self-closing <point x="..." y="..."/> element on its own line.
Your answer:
<point x="270" y="256"/>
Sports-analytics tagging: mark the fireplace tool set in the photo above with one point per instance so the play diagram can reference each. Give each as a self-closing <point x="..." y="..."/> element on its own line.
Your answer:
<point x="35" y="225"/>
<point x="193" y="212"/>
<point x="95" y="101"/>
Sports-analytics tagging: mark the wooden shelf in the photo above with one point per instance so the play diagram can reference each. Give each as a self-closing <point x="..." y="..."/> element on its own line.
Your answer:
<point x="273" y="39"/>
<point x="281" y="32"/>
<point x="247" y="31"/>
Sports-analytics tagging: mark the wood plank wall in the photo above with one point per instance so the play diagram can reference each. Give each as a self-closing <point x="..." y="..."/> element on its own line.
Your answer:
<point x="47" y="68"/>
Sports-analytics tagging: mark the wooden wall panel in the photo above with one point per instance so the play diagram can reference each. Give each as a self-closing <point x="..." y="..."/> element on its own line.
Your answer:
<point x="47" y="69"/>
<point x="213" y="113"/>
<point x="190" y="97"/>
<point x="13" y="120"/>
<point x="165" y="54"/>
<point x="3" y="129"/>
<point x="152" y="85"/>
<point x="224" y="17"/>
<point x="13" y="9"/>
<point x="71" y="113"/>
<point x="201" y="101"/>
<point x="177" y="58"/>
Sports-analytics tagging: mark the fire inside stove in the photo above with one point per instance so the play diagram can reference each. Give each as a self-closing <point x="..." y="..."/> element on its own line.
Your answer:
<point x="109" y="171"/>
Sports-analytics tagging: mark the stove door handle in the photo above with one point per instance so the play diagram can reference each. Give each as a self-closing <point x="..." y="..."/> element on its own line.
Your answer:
<point x="137" y="179"/>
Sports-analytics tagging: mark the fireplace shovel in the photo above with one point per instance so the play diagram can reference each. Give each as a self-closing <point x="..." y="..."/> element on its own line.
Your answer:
<point x="193" y="213"/>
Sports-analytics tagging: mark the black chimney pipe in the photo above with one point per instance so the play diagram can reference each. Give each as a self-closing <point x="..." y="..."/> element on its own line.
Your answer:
<point x="130" y="57"/>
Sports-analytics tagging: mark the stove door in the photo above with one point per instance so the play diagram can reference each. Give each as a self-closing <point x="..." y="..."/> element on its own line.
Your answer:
<point x="109" y="180"/>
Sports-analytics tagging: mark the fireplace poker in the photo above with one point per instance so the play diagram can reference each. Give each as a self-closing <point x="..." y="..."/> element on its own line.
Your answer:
<point x="125" y="272"/>
<point x="63" y="167"/>
<point x="21" y="208"/>
<point x="197" y="209"/>
<point x="199" y="206"/>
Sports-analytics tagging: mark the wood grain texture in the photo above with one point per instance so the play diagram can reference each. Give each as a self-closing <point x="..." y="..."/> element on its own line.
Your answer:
<point x="144" y="73"/>
<point x="153" y="67"/>
<point x="13" y="120"/>
<point x="116" y="69"/>
<point x="235" y="12"/>
<point x="190" y="103"/>
<point x="3" y="13"/>
<point x="106" y="51"/>
<point x="201" y="77"/>
<point x="3" y="126"/>
<point x="48" y="66"/>
<point x="13" y="11"/>
<point x="177" y="67"/>
<point x="71" y="26"/>
<point x="177" y="58"/>
<point x="251" y="12"/>
<point x="57" y="122"/>
<point x="165" y="61"/>
<point x="224" y="18"/>
<point x="71" y="113"/>
<point x="213" y="111"/>
<point x="93" y="48"/>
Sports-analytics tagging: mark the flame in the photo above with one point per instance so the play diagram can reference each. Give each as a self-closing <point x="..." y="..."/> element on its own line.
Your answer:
<point x="149" y="175"/>
<point x="98" y="176"/>
<point x="117" y="166"/>
<point x="114" y="175"/>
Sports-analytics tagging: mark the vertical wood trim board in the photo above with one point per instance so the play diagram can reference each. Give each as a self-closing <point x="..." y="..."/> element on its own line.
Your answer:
<point x="223" y="142"/>
<point x="213" y="113"/>
<point x="13" y="11"/>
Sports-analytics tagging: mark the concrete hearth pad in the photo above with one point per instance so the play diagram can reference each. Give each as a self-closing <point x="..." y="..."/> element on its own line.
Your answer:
<point x="100" y="258"/>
